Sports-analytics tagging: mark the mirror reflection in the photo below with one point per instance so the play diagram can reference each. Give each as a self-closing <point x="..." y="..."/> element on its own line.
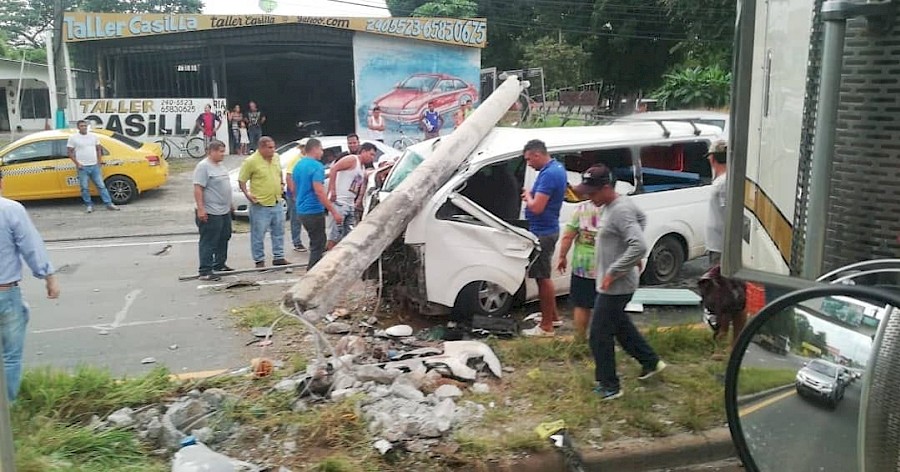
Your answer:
<point x="800" y="384"/>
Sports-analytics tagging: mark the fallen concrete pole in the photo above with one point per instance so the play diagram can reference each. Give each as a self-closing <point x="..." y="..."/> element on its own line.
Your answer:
<point x="323" y="286"/>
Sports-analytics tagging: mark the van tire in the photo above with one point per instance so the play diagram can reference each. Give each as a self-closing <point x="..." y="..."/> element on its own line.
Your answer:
<point x="665" y="261"/>
<point x="483" y="298"/>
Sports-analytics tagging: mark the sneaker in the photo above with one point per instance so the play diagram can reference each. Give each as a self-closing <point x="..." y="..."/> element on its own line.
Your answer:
<point x="647" y="373"/>
<point x="225" y="269"/>
<point x="209" y="277"/>
<point x="299" y="248"/>
<point x="607" y="394"/>
<point x="280" y="262"/>
<point x="537" y="331"/>
<point x="260" y="264"/>
<point x="112" y="207"/>
<point x="536" y="316"/>
<point x="89" y="209"/>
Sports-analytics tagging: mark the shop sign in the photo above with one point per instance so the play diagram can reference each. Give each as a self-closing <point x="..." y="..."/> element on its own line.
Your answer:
<point x="82" y="26"/>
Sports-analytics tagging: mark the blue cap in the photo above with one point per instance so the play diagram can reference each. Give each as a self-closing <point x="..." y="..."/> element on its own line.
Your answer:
<point x="188" y="441"/>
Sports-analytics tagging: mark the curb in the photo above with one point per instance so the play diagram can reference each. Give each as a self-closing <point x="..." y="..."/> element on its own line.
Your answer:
<point x="756" y="396"/>
<point x="641" y="455"/>
<point x="122" y="236"/>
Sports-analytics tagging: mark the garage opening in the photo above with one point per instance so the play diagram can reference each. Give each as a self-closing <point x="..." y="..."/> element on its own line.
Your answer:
<point x="294" y="72"/>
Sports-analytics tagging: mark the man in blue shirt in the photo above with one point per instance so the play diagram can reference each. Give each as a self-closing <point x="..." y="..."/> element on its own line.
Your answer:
<point x="307" y="184"/>
<point x="19" y="240"/>
<point x="432" y="122"/>
<point x="542" y="206"/>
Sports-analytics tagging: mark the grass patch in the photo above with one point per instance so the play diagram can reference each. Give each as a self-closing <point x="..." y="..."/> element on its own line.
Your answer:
<point x="261" y="314"/>
<point x="554" y="380"/>
<point x="51" y="415"/>
<point x="754" y="379"/>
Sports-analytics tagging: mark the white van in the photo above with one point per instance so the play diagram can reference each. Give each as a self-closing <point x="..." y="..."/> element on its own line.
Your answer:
<point x="469" y="247"/>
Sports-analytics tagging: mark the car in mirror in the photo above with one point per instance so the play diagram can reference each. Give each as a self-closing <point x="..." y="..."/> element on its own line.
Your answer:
<point x="791" y="396"/>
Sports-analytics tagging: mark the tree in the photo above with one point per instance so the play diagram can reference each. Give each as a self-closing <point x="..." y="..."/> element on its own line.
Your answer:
<point x="26" y="21"/>
<point x="695" y="87"/>
<point x="563" y="63"/>
<point x="448" y="9"/>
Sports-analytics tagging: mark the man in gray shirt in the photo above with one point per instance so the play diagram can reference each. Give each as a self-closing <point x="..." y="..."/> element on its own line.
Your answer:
<point x="212" y="194"/>
<point x="715" y="221"/>
<point x="620" y="249"/>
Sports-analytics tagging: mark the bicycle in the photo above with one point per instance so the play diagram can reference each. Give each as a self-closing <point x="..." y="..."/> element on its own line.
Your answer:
<point x="403" y="141"/>
<point x="194" y="146"/>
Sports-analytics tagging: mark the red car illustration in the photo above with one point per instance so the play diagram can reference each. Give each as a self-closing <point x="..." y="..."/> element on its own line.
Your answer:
<point x="409" y="98"/>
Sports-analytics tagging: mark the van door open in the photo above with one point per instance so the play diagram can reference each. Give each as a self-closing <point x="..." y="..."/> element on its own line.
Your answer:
<point x="475" y="259"/>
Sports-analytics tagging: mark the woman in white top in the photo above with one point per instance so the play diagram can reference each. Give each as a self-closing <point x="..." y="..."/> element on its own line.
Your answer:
<point x="376" y="124"/>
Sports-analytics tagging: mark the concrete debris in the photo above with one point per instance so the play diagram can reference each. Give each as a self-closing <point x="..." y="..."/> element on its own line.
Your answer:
<point x="481" y="388"/>
<point x="261" y="331"/>
<point x="103" y="332"/>
<point x="366" y="373"/>
<point x="122" y="418"/>
<point x="382" y="446"/>
<point x="399" y="331"/>
<point x="448" y="391"/>
<point x="421" y="352"/>
<point x="286" y="385"/>
<point x="148" y="360"/>
<point x="341" y="313"/>
<point x="338" y="328"/>
<point x="173" y="347"/>
<point x="407" y="391"/>
<point x="289" y="447"/>
<point x="354" y="345"/>
<point x="204" y="435"/>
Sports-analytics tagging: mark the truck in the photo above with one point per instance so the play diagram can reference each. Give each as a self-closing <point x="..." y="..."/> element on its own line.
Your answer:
<point x="777" y="344"/>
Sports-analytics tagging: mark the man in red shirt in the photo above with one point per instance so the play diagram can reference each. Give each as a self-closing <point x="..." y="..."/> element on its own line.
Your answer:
<point x="209" y="123"/>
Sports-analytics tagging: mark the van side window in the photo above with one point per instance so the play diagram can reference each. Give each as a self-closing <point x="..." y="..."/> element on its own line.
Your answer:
<point x="674" y="166"/>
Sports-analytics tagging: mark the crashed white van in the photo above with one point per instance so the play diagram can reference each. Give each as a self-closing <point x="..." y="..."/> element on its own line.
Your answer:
<point x="469" y="247"/>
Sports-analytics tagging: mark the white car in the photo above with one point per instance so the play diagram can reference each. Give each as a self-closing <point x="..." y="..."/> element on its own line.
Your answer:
<point x="335" y="145"/>
<point x="700" y="117"/>
<point x="468" y="249"/>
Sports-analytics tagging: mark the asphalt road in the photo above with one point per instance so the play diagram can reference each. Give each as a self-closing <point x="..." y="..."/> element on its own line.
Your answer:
<point x="167" y="210"/>
<point x="755" y="356"/>
<point x="121" y="303"/>
<point x="787" y="432"/>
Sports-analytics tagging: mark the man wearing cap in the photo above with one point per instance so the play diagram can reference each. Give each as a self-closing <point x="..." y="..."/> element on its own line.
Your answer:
<point x="715" y="241"/>
<point x="542" y="205"/>
<point x="620" y="249"/>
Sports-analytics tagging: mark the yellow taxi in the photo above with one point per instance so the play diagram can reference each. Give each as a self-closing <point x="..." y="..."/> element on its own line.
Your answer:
<point x="37" y="167"/>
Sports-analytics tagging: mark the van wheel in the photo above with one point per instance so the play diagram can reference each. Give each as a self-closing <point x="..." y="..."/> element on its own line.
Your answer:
<point x="121" y="189"/>
<point x="483" y="298"/>
<point x="665" y="261"/>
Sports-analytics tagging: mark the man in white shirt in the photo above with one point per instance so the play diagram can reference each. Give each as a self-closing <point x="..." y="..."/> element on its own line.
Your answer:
<point x="85" y="151"/>
<point x="376" y="125"/>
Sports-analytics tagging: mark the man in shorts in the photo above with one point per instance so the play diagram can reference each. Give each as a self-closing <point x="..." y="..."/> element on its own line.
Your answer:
<point x="581" y="231"/>
<point x="542" y="206"/>
<point x="346" y="185"/>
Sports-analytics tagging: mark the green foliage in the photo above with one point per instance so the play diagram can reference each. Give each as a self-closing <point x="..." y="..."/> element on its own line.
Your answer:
<point x="695" y="87"/>
<point x="447" y="9"/>
<point x="51" y="420"/>
<point x="563" y="63"/>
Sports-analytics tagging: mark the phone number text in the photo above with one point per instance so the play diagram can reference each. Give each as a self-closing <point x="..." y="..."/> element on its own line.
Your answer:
<point x="471" y="32"/>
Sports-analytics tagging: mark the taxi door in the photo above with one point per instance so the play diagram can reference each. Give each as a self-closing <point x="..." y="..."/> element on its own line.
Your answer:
<point x="30" y="171"/>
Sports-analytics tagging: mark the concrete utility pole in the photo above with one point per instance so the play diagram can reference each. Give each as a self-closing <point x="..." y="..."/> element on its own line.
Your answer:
<point x="59" y="62"/>
<point x="329" y="280"/>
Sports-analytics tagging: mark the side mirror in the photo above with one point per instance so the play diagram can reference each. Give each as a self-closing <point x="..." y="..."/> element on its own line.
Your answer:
<point x="795" y="411"/>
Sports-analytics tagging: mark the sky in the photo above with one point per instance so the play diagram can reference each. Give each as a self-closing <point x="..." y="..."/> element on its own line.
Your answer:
<point x="300" y="7"/>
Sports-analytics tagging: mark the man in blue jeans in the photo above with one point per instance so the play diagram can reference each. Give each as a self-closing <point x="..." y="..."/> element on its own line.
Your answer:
<point x="85" y="151"/>
<point x="620" y="247"/>
<point x="261" y="181"/>
<point x="19" y="240"/>
<point x="312" y="200"/>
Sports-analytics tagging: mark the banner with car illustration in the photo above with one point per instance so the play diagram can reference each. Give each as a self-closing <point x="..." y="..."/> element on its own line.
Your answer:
<point x="417" y="88"/>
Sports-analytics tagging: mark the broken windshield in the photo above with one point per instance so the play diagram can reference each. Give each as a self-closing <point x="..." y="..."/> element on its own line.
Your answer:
<point x="405" y="165"/>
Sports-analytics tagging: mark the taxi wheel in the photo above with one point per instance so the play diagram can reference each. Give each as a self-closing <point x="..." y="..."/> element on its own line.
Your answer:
<point x="121" y="189"/>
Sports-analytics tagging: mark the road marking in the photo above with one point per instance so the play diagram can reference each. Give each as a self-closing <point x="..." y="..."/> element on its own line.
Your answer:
<point x="765" y="403"/>
<point x="111" y="245"/>
<point x="253" y="283"/>
<point x="129" y="300"/>
<point x="107" y="327"/>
